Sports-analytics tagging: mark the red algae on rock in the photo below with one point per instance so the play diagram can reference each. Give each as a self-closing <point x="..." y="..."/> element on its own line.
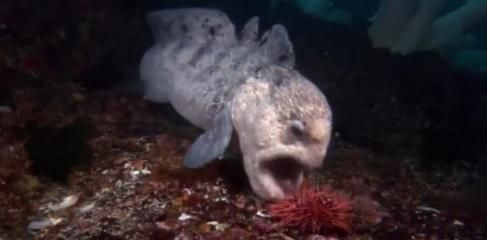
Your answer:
<point x="315" y="209"/>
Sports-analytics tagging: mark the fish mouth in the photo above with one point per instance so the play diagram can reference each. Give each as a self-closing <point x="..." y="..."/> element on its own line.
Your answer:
<point x="276" y="177"/>
<point x="286" y="171"/>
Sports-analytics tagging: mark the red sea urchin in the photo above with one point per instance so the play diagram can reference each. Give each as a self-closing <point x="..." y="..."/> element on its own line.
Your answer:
<point x="315" y="210"/>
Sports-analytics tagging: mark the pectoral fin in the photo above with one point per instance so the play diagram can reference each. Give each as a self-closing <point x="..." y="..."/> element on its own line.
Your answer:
<point x="212" y="143"/>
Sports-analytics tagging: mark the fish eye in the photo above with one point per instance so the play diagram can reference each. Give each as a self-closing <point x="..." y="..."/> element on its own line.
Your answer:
<point x="297" y="127"/>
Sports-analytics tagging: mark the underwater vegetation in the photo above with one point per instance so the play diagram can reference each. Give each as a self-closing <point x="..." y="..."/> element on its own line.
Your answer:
<point x="84" y="156"/>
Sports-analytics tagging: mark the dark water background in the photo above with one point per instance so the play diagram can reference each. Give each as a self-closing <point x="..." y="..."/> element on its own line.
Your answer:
<point x="422" y="108"/>
<point x="420" y="103"/>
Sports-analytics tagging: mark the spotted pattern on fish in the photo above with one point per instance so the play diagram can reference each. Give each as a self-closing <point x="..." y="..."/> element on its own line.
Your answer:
<point x="244" y="85"/>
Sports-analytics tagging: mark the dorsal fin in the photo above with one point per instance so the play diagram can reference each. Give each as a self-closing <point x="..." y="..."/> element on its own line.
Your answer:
<point x="277" y="47"/>
<point x="198" y="24"/>
<point x="250" y="31"/>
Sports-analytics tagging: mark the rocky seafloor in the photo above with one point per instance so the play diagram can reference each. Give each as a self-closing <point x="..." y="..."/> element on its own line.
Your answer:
<point x="129" y="182"/>
<point x="80" y="159"/>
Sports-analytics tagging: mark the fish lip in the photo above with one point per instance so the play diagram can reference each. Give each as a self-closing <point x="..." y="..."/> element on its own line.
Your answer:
<point x="298" y="155"/>
<point x="286" y="172"/>
<point x="279" y="174"/>
<point x="299" y="161"/>
<point x="263" y="179"/>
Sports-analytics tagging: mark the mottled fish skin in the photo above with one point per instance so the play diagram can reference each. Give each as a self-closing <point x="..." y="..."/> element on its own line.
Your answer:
<point x="292" y="133"/>
<point x="224" y="84"/>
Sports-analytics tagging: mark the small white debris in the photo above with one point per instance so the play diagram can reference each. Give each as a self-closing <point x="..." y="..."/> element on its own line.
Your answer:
<point x="184" y="217"/>
<point x="212" y="223"/>
<point x="428" y="209"/>
<point x="218" y="226"/>
<point x="458" y="223"/>
<point x="158" y="204"/>
<point x="319" y="237"/>
<point x="67" y="202"/>
<point x="87" y="207"/>
<point x="35" y="226"/>
<point x="337" y="134"/>
<point x="119" y="183"/>
<point x="55" y="221"/>
<point x="42" y="208"/>
<point x="222" y="199"/>
<point x="136" y="173"/>
<point x="188" y="191"/>
<point x="181" y="236"/>
<point x="5" y="109"/>
<point x="215" y="188"/>
<point x="261" y="213"/>
<point x="420" y="235"/>
<point x="164" y="226"/>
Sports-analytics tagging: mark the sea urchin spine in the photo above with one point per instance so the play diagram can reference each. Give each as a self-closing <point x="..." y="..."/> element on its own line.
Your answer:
<point x="315" y="210"/>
